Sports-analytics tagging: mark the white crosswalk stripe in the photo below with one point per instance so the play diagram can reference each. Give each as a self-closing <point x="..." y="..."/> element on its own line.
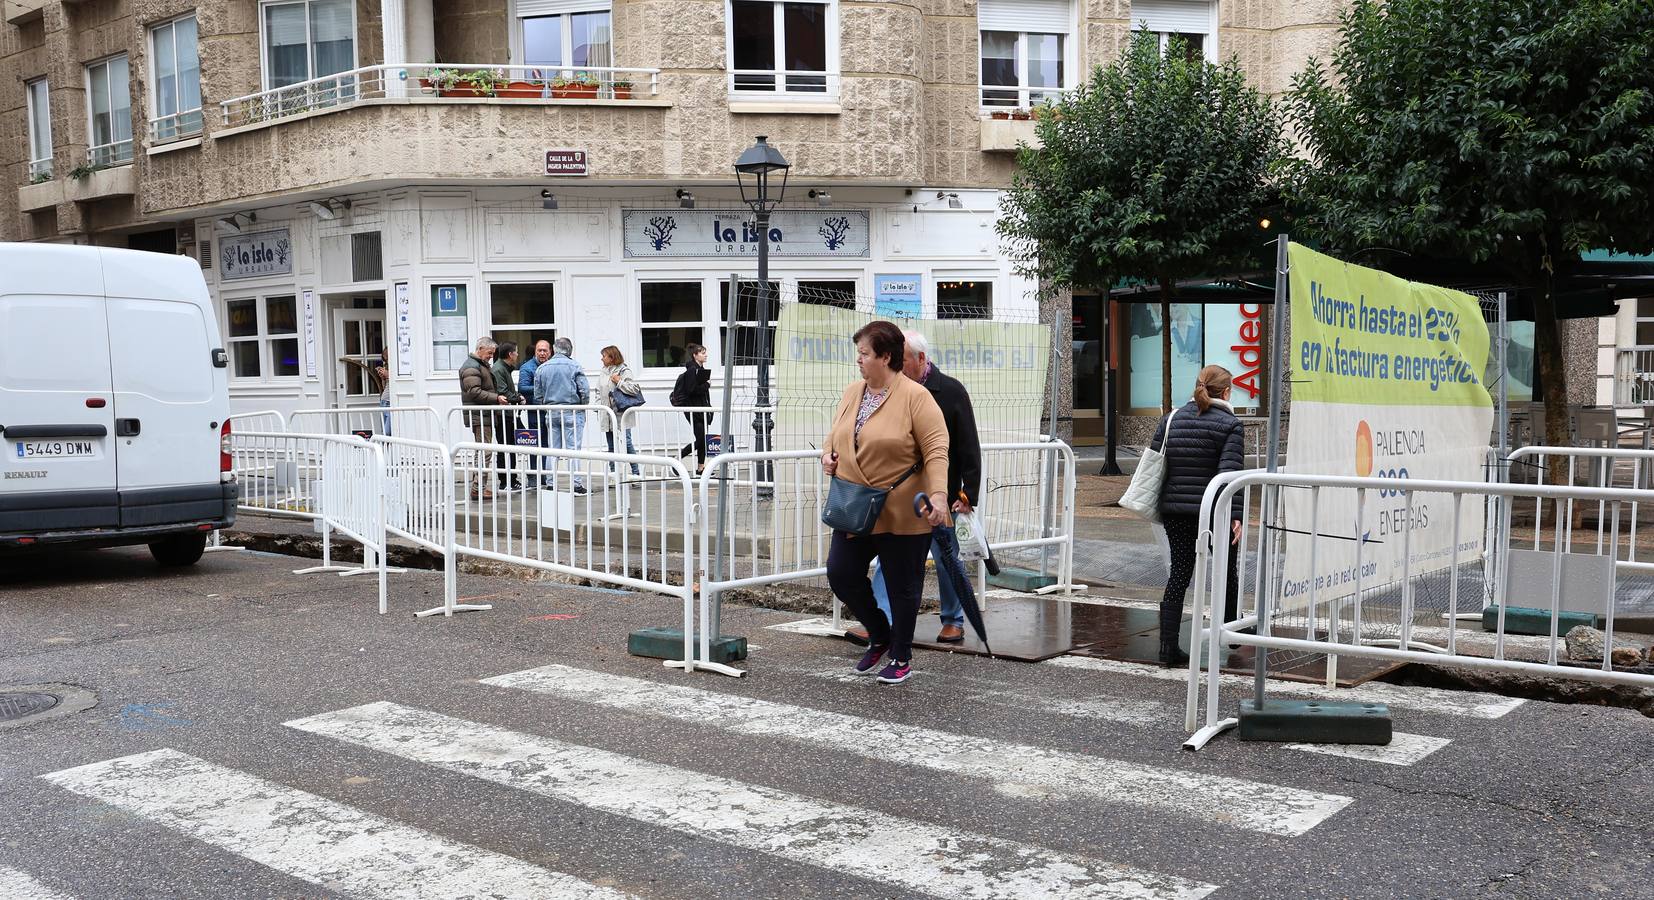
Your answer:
<point x="1231" y="801"/>
<point x="16" y="885"/>
<point x="330" y="844"/>
<point x="915" y="856"/>
<point x="1403" y="749"/>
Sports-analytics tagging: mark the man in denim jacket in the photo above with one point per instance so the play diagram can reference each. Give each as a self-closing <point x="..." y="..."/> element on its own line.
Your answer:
<point x="559" y="381"/>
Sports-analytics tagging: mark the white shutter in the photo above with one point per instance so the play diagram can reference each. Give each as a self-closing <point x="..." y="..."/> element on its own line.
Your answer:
<point x="527" y="8"/>
<point x="1036" y="16"/>
<point x="1173" y="16"/>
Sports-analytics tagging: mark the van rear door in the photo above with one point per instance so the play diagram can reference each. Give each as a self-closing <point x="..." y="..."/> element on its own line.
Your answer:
<point x="58" y="465"/>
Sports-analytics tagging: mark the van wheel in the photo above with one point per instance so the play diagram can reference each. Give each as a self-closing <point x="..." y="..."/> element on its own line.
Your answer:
<point x="179" y="550"/>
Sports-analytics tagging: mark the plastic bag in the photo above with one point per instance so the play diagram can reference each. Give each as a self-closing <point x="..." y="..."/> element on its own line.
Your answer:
<point x="973" y="539"/>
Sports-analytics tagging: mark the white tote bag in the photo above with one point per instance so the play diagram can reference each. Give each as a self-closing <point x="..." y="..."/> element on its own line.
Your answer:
<point x="1142" y="496"/>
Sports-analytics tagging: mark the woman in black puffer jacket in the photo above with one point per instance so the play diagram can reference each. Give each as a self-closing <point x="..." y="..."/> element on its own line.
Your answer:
<point x="1205" y="442"/>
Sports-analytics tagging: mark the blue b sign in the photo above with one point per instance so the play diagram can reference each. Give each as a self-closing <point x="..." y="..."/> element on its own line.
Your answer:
<point x="528" y="437"/>
<point x="447" y="299"/>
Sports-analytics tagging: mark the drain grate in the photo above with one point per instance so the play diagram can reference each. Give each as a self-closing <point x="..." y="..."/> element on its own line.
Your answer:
<point x="19" y="704"/>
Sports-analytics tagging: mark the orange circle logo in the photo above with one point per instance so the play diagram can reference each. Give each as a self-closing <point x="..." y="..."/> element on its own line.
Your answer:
<point x="1363" y="450"/>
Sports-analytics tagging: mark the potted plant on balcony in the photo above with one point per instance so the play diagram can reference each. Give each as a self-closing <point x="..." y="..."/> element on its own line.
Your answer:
<point x="440" y="80"/>
<point x="1021" y="115"/>
<point x="1000" y="114"/>
<point x="622" y="89"/>
<point x="580" y="87"/>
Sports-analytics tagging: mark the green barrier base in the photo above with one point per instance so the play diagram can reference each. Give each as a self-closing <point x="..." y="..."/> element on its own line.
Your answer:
<point x="667" y="643"/>
<point x="1315" y="722"/>
<point x="1526" y="620"/>
<point x="1021" y="580"/>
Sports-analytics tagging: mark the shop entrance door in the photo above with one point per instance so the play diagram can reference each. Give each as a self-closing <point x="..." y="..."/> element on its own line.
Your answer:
<point x="1088" y="368"/>
<point x="358" y="341"/>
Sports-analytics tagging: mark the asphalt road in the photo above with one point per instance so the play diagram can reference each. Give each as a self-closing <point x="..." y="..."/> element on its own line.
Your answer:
<point x="262" y="734"/>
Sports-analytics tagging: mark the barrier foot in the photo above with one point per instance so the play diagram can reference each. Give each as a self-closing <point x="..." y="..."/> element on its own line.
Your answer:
<point x="700" y="665"/>
<point x="1411" y="645"/>
<point x="329" y="568"/>
<point x="1075" y="588"/>
<point x="458" y="607"/>
<point x="373" y="571"/>
<point x="1202" y="737"/>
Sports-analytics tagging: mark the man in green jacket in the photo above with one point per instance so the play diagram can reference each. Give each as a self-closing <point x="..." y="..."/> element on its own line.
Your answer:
<point x="504" y="369"/>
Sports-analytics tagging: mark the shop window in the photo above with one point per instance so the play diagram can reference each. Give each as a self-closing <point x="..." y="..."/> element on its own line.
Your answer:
<point x="786" y="47"/>
<point x="175" y="79"/>
<point x="263" y="337"/>
<point x="751" y="340"/>
<point x="40" y="130"/>
<point x="964" y="299"/>
<point x="672" y="320"/>
<point x="109" y="108"/>
<point x="308" y="39"/>
<point x="524" y="314"/>
<point x="841" y="294"/>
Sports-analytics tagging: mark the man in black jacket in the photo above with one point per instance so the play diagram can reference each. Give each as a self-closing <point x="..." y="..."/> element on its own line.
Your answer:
<point x="964" y="480"/>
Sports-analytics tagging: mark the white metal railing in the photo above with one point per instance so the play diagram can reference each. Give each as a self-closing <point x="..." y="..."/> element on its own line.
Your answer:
<point x="1341" y="635"/>
<point x="1634" y="376"/>
<point x="997" y="98"/>
<point x="40" y="170"/>
<point x="276" y="471"/>
<point x="668" y="430"/>
<point x="420" y="423"/>
<point x="548" y="424"/>
<point x="1603" y="467"/>
<point x="438" y="81"/>
<point x="797" y="84"/>
<point x="112" y="154"/>
<point x="420" y="506"/>
<point x="259" y="420"/>
<point x="174" y="127"/>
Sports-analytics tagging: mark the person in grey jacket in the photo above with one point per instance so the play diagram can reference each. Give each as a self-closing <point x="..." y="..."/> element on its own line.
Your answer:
<point x="560" y="381"/>
<point x="1200" y="440"/>
<point x="617" y="378"/>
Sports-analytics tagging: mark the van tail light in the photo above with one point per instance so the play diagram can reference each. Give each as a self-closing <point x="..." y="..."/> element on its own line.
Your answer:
<point x="224" y="462"/>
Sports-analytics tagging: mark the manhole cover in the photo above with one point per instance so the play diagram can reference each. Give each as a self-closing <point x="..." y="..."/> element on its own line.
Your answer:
<point x="18" y="704"/>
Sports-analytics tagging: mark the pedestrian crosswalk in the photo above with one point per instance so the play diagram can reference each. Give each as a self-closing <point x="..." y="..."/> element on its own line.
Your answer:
<point x="356" y="852"/>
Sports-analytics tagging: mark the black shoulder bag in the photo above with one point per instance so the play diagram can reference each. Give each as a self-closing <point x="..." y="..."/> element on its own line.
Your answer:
<point x="855" y="508"/>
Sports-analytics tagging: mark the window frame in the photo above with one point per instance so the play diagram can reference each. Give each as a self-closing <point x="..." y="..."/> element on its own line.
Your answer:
<point x="1025" y="93"/>
<point x="938" y="279"/>
<point x="780" y="83"/>
<point x="565" y="64"/>
<point x="644" y="325"/>
<point x="183" y="126"/>
<point x="309" y="42"/>
<point x="546" y="331"/>
<point x="41" y="165"/>
<point x="265" y="339"/>
<point x="115" y="157"/>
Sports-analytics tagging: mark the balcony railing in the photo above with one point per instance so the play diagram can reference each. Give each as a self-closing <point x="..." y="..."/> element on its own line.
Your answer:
<point x="1634" y="376"/>
<point x="175" y="127"/>
<point x="1010" y="98"/>
<point x="449" y="81"/>
<point x="40" y="170"/>
<point x="761" y="84"/>
<point x="118" y="153"/>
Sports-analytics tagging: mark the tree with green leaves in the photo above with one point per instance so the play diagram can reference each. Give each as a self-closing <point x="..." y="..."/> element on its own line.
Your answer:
<point x="1517" y="133"/>
<point x="1156" y="169"/>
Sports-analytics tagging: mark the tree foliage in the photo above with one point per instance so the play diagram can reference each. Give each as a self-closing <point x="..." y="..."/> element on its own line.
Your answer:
<point x="1155" y="169"/>
<point x="1513" y="132"/>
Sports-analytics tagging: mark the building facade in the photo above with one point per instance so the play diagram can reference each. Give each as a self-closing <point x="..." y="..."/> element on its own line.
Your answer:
<point x="358" y="175"/>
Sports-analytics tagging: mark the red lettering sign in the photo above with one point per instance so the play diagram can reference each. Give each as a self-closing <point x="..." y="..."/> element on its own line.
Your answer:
<point x="1247" y="350"/>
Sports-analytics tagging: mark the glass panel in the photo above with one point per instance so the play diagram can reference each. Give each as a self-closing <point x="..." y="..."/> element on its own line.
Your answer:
<point x="1088" y="353"/>
<point x="40" y="121"/>
<point x="751" y="344"/>
<point x="120" y="94"/>
<point x="189" y="66"/>
<point x="1645" y="333"/>
<point x="285" y="354"/>
<point x="245" y="356"/>
<point x="964" y="300"/>
<point x="753" y="31"/>
<point x="746" y="307"/>
<point x="166" y="72"/>
<point x="664" y="347"/>
<point x="524" y="339"/>
<point x="286" y="54"/>
<point x="841" y="294"/>
<point x="374" y="337"/>
<point x="671" y="301"/>
<point x="804" y="36"/>
<point x="999" y="66"/>
<point x="332" y="30"/>
<point x="1044" y="62"/>
<point x="280" y="316"/>
<point x="523" y="304"/>
<point x="1144" y="353"/>
<point x="353" y="339"/>
<point x="242" y="317"/>
<point x="592" y="39"/>
<point x="102" y="133"/>
<point x="543" y="41"/>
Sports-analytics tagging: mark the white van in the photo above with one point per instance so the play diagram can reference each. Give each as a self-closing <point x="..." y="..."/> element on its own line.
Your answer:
<point x="114" y="405"/>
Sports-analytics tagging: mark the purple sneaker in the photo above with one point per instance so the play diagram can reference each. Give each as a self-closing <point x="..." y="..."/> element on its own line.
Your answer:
<point x="895" y="672"/>
<point x="869" y="660"/>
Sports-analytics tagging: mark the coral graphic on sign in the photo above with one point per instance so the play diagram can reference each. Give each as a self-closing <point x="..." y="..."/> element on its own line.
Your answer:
<point x="834" y="231"/>
<point x="660" y="231"/>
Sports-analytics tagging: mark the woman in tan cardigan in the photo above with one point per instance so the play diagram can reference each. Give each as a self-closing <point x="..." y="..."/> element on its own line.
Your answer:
<point x="887" y="431"/>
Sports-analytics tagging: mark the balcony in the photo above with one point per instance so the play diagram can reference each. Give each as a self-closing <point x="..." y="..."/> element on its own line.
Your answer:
<point x="175" y="127"/>
<point x="1008" y="114"/>
<point x="99" y="184"/>
<point x="18" y="12"/>
<point x="1634" y="376"/>
<point x="446" y="83"/>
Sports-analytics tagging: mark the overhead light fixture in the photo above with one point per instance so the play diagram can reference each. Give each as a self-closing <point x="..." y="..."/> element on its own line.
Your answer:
<point x="821" y="197"/>
<point x="685" y="199"/>
<point x="236" y="222"/>
<point x="952" y="198"/>
<point x="548" y="200"/>
<point x="1264" y="224"/>
<point x="328" y="210"/>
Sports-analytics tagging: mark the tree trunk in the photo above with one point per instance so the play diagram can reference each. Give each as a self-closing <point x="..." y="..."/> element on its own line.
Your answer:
<point x="1165" y="345"/>
<point x="1547" y="345"/>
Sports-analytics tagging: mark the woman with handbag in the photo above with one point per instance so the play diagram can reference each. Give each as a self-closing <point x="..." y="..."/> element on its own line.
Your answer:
<point x="888" y="442"/>
<point x="1199" y="441"/>
<point x="622" y="394"/>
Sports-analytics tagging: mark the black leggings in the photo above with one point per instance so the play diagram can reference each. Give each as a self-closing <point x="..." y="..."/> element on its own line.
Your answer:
<point x="902" y="560"/>
<point x="1182" y="533"/>
<point x="698" y="422"/>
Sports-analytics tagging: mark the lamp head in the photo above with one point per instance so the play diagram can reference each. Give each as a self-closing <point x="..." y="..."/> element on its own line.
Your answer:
<point x="753" y="170"/>
<point x="548" y="200"/>
<point x="685" y="199"/>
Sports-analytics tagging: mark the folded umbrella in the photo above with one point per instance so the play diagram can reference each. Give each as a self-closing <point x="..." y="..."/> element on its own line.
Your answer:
<point x="955" y="570"/>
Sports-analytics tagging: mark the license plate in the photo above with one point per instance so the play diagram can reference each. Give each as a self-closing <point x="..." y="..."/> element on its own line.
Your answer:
<point x="56" y="449"/>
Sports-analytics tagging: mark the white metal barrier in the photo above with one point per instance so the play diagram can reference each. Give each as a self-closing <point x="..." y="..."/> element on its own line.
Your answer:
<point x="498" y="425"/>
<point x="420" y="423"/>
<point x="266" y="420"/>
<point x="1604" y="467"/>
<point x="276" y="472"/>
<point x="668" y="430"/>
<point x="419" y="508"/>
<point x="1336" y="636"/>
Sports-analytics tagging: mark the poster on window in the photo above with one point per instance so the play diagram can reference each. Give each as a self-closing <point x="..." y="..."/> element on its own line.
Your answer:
<point x="1144" y="349"/>
<point x="1390" y="373"/>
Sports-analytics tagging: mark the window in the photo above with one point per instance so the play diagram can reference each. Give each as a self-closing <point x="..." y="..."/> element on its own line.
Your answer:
<point x="781" y="47"/>
<point x="109" y="104"/>
<point x="841" y="294"/>
<point x="175" y="80"/>
<point x="308" y="39"/>
<point x="751" y="341"/>
<point x="964" y="299"/>
<point x="523" y="313"/>
<point x="573" y="39"/>
<point x="40" y="130"/>
<point x="671" y="321"/>
<point x="263" y="334"/>
<point x="1025" y="49"/>
<point x="1216" y="334"/>
<point x="1195" y="21"/>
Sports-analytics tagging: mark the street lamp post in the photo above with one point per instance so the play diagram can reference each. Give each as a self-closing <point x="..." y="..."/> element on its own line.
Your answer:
<point x="752" y="173"/>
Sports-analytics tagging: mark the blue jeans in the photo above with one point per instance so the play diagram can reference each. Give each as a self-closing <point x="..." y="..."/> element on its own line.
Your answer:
<point x="385" y="402"/>
<point x="610" y="437"/>
<point x="944" y="549"/>
<point x="568" y="432"/>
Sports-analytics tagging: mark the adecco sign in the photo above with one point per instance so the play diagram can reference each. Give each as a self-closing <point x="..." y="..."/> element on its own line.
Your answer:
<point x="1234" y="336"/>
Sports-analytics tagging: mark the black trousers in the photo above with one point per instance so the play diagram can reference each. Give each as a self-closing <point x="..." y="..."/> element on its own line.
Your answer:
<point x="1182" y="532"/>
<point x="698" y="422"/>
<point x="902" y="560"/>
